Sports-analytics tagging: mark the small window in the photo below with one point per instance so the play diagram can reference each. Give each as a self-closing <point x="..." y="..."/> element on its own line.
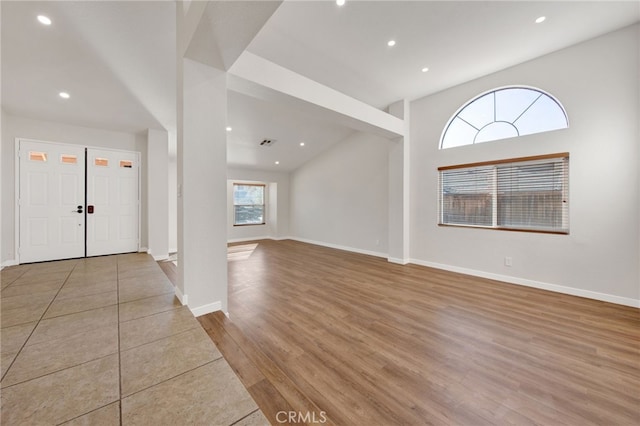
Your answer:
<point x="522" y="194"/>
<point x="127" y="164"/>
<point x="248" y="204"/>
<point x="38" y="156"/>
<point x="102" y="162"/>
<point x="68" y="159"/>
<point x="504" y="113"/>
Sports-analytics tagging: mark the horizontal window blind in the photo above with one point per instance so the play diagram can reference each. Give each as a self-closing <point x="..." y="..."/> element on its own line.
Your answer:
<point x="467" y="196"/>
<point x="248" y="204"/>
<point x="525" y="194"/>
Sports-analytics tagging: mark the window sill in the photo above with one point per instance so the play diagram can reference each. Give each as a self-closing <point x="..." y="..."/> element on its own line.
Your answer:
<point x="495" y="228"/>
<point x="249" y="224"/>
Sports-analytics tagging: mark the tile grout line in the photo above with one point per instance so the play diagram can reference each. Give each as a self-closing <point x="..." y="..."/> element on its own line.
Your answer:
<point x="119" y="351"/>
<point x="88" y="295"/>
<point x="160" y="338"/>
<point x="37" y="323"/>
<point x="244" y="417"/>
<point x="58" y="371"/>
<point x="84" y="414"/>
<point x="147" y="297"/>
<point x="15" y="279"/>
<point x="155" y="313"/>
<point x="176" y="376"/>
<point x="78" y="312"/>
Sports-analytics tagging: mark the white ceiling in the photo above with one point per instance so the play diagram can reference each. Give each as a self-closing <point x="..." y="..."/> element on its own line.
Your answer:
<point x="279" y="123"/>
<point x="117" y="60"/>
<point x="346" y="47"/>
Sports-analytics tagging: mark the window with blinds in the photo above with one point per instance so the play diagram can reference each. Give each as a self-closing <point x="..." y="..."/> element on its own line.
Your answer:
<point x="520" y="194"/>
<point x="248" y="204"/>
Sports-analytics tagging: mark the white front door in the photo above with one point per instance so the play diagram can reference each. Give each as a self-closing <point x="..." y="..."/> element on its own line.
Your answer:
<point x="51" y="201"/>
<point x="112" y="202"/>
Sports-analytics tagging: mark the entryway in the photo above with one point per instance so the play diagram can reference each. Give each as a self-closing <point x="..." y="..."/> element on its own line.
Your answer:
<point x="76" y="201"/>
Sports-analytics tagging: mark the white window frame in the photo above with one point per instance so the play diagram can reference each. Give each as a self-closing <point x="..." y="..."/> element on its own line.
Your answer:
<point x="264" y="203"/>
<point x="494" y="91"/>
<point x="493" y="190"/>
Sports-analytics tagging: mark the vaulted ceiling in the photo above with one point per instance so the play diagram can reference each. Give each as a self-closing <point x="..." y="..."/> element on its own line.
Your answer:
<point x="117" y="59"/>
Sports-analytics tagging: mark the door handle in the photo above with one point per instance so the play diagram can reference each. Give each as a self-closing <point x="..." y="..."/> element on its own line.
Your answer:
<point x="77" y="211"/>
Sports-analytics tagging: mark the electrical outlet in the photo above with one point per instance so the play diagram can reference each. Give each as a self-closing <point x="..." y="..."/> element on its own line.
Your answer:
<point x="508" y="261"/>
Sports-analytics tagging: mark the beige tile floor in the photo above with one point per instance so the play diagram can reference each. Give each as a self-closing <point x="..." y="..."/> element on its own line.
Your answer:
<point x="103" y="341"/>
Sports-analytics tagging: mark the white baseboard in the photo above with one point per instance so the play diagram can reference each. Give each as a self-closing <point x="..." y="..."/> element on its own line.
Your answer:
<point x="10" y="262"/>
<point x="160" y="257"/>
<point x="173" y="250"/>
<point x="242" y="240"/>
<point x="626" y="301"/>
<point x="183" y="298"/>
<point x="399" y="261"/>
<point x="143" y="250"/>
<point x="206" y="309"/>
<point x="339" y="247"/>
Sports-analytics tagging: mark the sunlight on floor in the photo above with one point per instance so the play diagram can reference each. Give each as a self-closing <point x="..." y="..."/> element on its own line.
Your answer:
<point x="240" y="252"/>
<point x="236" y="252"/>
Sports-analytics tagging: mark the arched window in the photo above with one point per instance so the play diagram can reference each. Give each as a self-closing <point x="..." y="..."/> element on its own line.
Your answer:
<point x="504" y="113"/>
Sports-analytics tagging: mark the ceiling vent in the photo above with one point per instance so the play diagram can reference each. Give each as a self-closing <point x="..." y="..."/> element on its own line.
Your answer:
<point x="267" y="142"/>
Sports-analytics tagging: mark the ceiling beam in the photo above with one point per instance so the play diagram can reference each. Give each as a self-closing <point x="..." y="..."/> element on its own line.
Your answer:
<point x="258" y="77"/>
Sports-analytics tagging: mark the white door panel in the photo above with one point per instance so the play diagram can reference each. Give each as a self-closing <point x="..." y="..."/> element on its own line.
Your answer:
<point x="51" y="187"/>
<point x="51" y="191"/>
<point x="112" y="190"/>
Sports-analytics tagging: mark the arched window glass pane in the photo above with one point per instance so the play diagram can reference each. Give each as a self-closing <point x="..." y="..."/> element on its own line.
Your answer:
<point x="496" y="130"/>
<point x="545" y="110"/>
<point x="480" y="112"/>
<point x="504" y="113"/>
<point x="459" y="132"/>
<point x="510" y="104"/>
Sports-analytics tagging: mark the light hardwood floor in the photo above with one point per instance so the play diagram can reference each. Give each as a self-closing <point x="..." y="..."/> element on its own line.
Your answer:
<point x="356" y="340"/>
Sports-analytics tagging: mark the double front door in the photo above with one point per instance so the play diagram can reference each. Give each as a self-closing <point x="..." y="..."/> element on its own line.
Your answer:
<point x="75" y="201"/>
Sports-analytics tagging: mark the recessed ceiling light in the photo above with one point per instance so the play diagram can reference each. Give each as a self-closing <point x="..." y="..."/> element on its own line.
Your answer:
<point x="44" y="20"/>
<point x="277" y="162"/>
<point x="425" y="69"/>
<point x="340" y="2"/>
<point x="301" y="143"/>
<point x="229" y="129"/>
<point x="64" y="95"/>
<point x="541" y="19"/>
<point x="391" y="43"/>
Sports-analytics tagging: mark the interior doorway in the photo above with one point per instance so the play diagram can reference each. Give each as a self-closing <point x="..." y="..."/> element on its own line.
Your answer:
<point x="76" y="201"/>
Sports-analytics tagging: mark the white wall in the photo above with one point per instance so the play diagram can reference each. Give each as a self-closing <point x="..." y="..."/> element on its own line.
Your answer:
<point x="18" y="127"/>
<point x="277" y="199"/>
<point x="597" y="81"/>
<point x="340" y="198"/>
<point x="157" y="196"/>
<point x="173" y="204"/>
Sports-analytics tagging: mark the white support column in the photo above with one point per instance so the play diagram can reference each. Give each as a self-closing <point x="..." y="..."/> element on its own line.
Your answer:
<point x="202" y="180"/>
<point x="157" y="194"/>
<point x="399" y="190"/>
